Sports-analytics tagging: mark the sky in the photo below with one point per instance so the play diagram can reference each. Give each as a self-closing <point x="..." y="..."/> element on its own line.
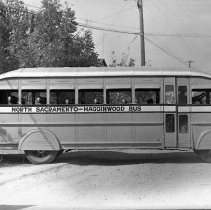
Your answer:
<point x="161" y="18"/>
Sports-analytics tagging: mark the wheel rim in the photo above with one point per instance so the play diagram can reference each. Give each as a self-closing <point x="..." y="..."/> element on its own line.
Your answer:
<point x="41" y="156"/>
<point x="40" y="153"/>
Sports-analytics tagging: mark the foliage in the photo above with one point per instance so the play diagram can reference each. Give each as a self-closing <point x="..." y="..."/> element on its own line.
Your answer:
<point x="131" y="62"/>
<point x="47" y="38"/>
<point x="7" y="61"/>
<point x="123" y="61"/>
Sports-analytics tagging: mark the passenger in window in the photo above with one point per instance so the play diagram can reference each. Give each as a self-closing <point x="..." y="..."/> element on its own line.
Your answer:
<point x="9" y="100"/>
<point x="67" y="101"/>
<point x="95" y="101"/>
<point x="124" y="101"/>
<point x="38" y="101"/>
<point x="12" y="100"/>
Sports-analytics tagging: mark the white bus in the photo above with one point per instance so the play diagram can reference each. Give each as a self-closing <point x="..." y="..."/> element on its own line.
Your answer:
<point x="44" y="111"/>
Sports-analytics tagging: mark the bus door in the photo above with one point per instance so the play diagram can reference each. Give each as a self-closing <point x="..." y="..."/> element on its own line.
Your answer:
<point x="170" y="116"/>
<point x="183" y="112"/>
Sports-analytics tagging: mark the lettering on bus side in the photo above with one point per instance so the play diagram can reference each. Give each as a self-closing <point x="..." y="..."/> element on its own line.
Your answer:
<point x="112" y="108"/>
<point x="73" y="109"/>
<point x="21" y="109"/>
<point x="56" y="109"/>
<point x="134" y="108"/>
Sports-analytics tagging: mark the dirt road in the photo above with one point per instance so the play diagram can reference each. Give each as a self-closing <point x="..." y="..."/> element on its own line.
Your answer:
<point x="108" y="180"/>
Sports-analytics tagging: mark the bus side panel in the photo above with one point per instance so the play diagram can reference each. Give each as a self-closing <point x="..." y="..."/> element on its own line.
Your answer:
<point x="32" y="121"/>
<point x="90" y="129"/>
<point x="9" y="131"/>
<point x="119" y="129"/>
<point x="201" y="116"/>
<point x="149" y="131"/>
<point x="201" y="130"/>
<point x="63" y="126"/>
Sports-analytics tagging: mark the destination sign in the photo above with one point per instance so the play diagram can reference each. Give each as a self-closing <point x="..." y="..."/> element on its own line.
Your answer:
<point x="73" y="109"/>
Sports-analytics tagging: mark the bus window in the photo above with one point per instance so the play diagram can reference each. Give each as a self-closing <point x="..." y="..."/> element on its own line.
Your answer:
<point x="147" y="96"/>
<point x="62" y="97"/>
<point x="183" y="124"/>
<point x="200" y="97"/>
<point x="169" y="94"/>
<point x="182" y="95"/>
<point x="33" y="97"/>
<point x="119" y="96"/>
<point x="92" y="96"/>
<point x="170" y="123"/>
<point x="9" y="97"/>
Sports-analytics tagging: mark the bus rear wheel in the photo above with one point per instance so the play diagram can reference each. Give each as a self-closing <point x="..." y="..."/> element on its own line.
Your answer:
<point x="41" y="156"/>
<point x="204" y="154"/>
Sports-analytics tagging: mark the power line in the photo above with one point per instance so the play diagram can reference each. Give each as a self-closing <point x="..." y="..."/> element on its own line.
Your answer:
<point x="106" y="29"/>
<point x="117" y="14"/>
<point x="133" y="33"/>
<point x="146" y="34"/>
<point x="181" y="35"/>
<point x="168" y="53"/>
<point x="106" y="24"/>
<point x="121" y="31"/>
<point x="129" y="45"/>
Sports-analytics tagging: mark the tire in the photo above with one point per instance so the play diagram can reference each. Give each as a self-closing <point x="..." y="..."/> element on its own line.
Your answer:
<point x="40" y="156"/>
<point x="204" y="154"/>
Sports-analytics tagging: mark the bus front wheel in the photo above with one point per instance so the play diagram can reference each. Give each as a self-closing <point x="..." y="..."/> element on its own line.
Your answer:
<point x="41" y="156"/>
<point x="204" y="154"/>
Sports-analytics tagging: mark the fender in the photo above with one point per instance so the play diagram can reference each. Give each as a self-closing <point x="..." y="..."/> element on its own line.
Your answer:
<point x="39" y="139"/>
<point x="204" y="140"/>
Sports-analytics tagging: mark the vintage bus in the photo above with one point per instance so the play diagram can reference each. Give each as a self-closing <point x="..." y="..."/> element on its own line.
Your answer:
<point x="45" y="111"/>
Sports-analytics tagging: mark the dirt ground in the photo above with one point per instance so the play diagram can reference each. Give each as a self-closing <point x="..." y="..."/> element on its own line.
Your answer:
<point x="108" y="180"/>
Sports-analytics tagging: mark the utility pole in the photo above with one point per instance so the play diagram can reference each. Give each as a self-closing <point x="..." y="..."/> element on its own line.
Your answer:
<point x="142" y="43"/>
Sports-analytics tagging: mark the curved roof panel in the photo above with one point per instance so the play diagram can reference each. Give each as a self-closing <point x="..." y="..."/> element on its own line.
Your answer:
<point x="101" y="71"/>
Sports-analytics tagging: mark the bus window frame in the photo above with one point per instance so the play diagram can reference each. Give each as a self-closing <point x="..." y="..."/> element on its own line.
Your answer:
<point x="157" y="92"/>
<point x="90" y="90"/>
<point x="181" y="97"/>
<point x="123" y="89"/>
<point x="12" y="90"/>
<point x="62" y="90"/>
<point x="208" y="96"/>
<point x="172" y="97"/>
<point x="33" y="98"/>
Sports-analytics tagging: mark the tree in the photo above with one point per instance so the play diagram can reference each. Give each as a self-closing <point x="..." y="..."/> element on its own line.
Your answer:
<point x="18" y="16"/>
<point x="58" y="43"/>
<point x="83" y="51"/>
<point x="47" y="38"/>
<point x="123" y="61"/>
<point x="131" y="62"/>
<point x="7" y="61"/>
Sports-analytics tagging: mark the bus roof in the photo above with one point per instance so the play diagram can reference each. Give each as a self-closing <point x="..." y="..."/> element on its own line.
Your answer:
<point x="101" y="71"/>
